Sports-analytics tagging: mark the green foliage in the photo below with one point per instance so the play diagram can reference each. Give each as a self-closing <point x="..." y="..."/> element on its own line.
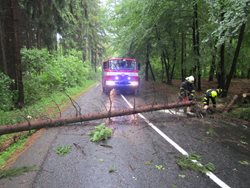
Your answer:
<point x="46" y="73"/>
<point x="5" y="155"/>
<point x="159" y="167"/>
<point x="33" y="60"/>
<point x="241" y="112"/>
<point x="235" y="14"/>
<point x="100" y="133"/>
<point x="6" y="95"/>
<point x="112" y="169"/>
<point x="36" y="110"/>
<point x="40" y="107"/>
<point x="16" y="171"/>
<point x="193" y="162"/>
<point x="244" y="163"/>
<point x="63" y="150"/>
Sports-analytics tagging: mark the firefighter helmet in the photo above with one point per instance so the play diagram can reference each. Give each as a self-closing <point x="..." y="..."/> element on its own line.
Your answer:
<point x="190" y="79"/>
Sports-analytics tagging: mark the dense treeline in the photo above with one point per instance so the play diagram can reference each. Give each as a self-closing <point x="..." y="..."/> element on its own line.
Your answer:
<point x="171" y="38"/>
<point x="47" y="31"/>
<point x="176" y="38"/>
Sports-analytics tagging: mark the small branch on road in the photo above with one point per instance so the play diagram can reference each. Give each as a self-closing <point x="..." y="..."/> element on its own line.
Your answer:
<point x="73" y="102"/>
<point x="79" y="148"/>
<point x="106" y="146"/>
<point x="57" y="106"/>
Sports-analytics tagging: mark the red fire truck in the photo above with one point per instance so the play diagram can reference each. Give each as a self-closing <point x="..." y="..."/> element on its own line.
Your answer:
<point x="120" y="73"/>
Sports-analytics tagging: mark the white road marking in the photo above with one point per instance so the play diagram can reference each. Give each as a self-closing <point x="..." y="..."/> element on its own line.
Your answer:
<point x="176" y="146"/>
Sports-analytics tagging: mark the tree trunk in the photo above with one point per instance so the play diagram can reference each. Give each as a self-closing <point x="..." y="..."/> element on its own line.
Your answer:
<point x="17" y="55"/>
<point x="212" y="67"/>
<point x="236" y="55"/>
<point x="147" y="63"/>
<point x="11" y="46"/>
<point x="221" y="71"/>
<point x="38" y="124"/>
<point x="183" y="57"/>
<point x="196" y="43"/>
<point x="232" y="102"/>
<point x="3" y="61"/>
<point x="174" y="61"/>
<point x="164" y="58"/>
<point x="151" y="70"/>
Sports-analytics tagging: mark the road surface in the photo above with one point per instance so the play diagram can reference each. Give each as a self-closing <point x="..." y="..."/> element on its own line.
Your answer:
<point x="141" y="153"/>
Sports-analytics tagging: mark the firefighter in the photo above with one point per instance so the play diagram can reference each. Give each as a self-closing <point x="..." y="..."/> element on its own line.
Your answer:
<point x="211" y="94"/>
<point x="187" y="89"/>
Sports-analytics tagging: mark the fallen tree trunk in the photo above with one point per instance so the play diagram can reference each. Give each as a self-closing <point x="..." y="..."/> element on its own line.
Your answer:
<point x="232" y="102"/>
<point x="38" y="124"/>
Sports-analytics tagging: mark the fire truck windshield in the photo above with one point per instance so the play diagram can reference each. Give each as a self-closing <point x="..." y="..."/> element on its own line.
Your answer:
<point x="122" y="64"/>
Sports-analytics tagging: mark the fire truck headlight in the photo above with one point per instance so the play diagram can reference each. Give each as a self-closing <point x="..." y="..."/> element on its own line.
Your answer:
<point x="129" y="78"/>
<point x="110" y="83"/>
<point x="134" y="83"/>
<point x="116" y="78"/>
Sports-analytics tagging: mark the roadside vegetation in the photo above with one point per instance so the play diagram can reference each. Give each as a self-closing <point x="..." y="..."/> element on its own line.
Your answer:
<point x="49" y="78"/>
<point x="12" y="172"/>
<point x="241" y="112"/>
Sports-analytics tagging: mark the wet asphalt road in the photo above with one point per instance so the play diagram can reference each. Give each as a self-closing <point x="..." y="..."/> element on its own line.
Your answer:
<point x="134" y="151"/>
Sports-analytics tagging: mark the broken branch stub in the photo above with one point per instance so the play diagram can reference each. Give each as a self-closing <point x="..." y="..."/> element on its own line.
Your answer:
<point x="232" y="102"/>
<point x="38" y="124"/>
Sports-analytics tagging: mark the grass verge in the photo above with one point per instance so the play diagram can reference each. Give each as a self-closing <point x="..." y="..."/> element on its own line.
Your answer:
<point x="16" y="171"/>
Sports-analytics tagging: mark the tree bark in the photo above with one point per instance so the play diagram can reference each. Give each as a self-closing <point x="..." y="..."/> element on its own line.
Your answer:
<point x="38" y="124"/>
<point x="3" y="61"/>
<point x="221" y="71"/>
<point x="236" y="55"/>
<point x="213" y="62"/>
<point x="183" y="57"/>
<point x="147" y="63"/>
<point x="196" y="43"/>
<point x="17" y="48"/>
<point x="232" y="102"/>
<point x="164" y="59"/>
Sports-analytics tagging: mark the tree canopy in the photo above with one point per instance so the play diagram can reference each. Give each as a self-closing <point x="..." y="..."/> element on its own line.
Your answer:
<point x="171" y="38"/>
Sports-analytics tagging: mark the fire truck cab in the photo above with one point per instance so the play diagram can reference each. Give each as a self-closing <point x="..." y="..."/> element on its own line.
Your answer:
<point x="120" y="73"/>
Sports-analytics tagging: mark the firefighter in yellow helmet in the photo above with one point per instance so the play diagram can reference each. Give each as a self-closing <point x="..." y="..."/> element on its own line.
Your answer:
<point x="211" y="94"/>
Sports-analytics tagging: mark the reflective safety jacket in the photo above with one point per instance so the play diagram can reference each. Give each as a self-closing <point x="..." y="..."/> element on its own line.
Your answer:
<point x="210" y="94"/>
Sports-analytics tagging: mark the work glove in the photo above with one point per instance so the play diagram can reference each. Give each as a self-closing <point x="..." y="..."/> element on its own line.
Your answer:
<point x="205" y="107"/>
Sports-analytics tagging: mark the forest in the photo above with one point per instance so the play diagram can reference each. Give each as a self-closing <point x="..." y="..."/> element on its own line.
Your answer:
<point x="49" y="46"/>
